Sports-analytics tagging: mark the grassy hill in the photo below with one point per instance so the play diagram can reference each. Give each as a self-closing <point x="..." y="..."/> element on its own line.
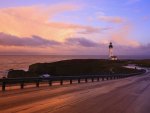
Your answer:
<point x="142" y="63"/>
<point x="74" y="67"/>
<point x="80" y="67"/>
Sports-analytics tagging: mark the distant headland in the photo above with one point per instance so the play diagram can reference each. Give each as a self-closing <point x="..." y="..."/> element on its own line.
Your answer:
<point x="79" y="67"/>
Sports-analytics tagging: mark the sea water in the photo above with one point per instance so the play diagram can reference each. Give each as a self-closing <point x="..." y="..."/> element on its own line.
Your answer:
<point x="23" y="61"/>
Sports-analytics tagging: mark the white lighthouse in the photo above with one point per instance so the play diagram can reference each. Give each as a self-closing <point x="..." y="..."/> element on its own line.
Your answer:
<point x="111" y="56"/>
<point x="110" y="50"/>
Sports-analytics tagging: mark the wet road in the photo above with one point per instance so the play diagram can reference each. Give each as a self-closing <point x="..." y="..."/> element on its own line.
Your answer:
<point x="128" y="95"/>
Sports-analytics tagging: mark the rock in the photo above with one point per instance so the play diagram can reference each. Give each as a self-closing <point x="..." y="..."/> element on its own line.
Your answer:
<point x="20" y="73"/>
<point x="77" y="67"/>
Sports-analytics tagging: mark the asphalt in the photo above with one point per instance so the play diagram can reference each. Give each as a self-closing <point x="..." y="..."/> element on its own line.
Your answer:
<point x="128" y="95"/>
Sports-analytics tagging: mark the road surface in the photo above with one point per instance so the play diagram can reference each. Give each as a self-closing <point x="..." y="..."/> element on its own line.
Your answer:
<point x="128" y="95"/>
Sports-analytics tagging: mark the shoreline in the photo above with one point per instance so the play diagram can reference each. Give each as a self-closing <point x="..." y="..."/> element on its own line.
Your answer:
<point x="4" y="72"/>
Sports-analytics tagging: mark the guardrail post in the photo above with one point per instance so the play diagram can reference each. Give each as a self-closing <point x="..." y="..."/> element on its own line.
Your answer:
<point x="22" y="85"/>
<point x="50" y="83"/>
<point x="37" y="83"/>
<point x="78" y="80"/>
<point x="86" y="80"/>
<point x="61" y="82"/>
<point x="3" y="86"/>
<point x="70" y="81"/>
<point x="102" y="78"/>
<point x="111" y="78"/>
<point x="107" y="78"/>
<point x="92" y="79"/>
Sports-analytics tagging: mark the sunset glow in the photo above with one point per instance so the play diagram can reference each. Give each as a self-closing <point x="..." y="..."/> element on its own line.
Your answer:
<point x="74" y="27"/>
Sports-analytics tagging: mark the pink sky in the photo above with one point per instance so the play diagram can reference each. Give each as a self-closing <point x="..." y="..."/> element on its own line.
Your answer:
<point x="51" y="28"/>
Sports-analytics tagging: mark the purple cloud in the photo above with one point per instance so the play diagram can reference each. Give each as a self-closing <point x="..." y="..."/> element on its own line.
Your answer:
<point x="89" y="30"/>
<point x="10" y="40"/>
<point x="82" y="42"/>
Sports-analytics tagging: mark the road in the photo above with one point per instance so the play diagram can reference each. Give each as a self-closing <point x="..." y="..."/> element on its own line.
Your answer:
<point x="128" y="95"/>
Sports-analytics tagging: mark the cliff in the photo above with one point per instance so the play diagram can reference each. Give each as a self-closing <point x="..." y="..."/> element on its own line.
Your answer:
<point x="73" y="67"/>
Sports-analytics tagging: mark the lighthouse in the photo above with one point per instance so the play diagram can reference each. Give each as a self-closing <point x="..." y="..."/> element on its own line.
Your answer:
<point x="111" y="56"/>
<point x="110" y="50"/>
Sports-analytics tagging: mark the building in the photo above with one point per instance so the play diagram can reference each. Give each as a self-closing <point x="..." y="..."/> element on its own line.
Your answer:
<point x="111" y="55"/>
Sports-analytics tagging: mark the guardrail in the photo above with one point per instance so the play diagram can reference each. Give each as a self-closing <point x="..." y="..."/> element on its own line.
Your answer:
<point x="12" y="81"/>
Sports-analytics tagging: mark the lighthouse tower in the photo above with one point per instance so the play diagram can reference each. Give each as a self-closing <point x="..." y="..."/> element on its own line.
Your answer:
<point x="110" y="50"/>
<point x="111" y="56"/>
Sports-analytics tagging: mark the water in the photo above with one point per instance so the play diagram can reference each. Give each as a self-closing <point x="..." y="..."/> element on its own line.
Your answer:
<point x="22" y="62"/>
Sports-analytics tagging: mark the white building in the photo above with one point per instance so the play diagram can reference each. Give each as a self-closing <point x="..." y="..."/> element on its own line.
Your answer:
<point x="111" y="56"/>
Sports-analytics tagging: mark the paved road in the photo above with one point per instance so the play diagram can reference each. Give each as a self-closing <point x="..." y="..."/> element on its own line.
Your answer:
<point x="129" y="95"/>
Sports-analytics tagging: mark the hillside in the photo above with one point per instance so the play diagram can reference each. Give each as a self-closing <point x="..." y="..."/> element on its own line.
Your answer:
<point x="74" y="67"/>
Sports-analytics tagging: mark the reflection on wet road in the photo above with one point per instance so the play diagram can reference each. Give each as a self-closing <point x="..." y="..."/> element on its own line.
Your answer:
<point x="129" y="95"/>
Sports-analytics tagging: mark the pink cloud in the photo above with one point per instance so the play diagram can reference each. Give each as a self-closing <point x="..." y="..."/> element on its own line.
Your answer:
<point x="81" y="29"/>
<point x="24" y="22"/>
<point x="111" y="19"/>
<point x="37" y="20"/>
<point x="120" y="36"/>
<point x="34" y="20"/>
<point x="81" y="41"/>
<point x="75" y="45"/>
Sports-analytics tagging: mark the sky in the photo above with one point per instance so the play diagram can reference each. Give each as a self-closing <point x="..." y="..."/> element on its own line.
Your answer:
<point x="74" y="27"/>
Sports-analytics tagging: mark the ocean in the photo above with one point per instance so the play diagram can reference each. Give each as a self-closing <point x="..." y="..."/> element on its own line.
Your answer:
<point x="23" y="61"/>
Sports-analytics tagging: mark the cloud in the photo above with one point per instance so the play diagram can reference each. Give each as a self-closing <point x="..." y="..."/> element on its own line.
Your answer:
<point x="31" y="20"/>
<point x="81" y="29"/>
<point x="32" y="29"/>
<point x="34" y="41"/>
<point x="38" y="20"/>
<point x="81" y="42"/>
<point x="90" y="30"/>
<point x="76" y="45"/>
<point x="120" y="37"/>
<point x="111" y="19"/>
<point x="89" y="47"/>
<point x="140" y="50"/>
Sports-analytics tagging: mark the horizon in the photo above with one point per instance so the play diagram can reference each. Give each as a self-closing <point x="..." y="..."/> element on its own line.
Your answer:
<point x="120" y="57"/>
<point x="62" y="55"/>
<point x="74" y="27"/>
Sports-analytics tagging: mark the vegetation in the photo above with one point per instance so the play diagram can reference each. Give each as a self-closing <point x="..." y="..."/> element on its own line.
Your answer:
<point x="75" y="67"/>
<point x="20" y="73"/>
<point x="142" y="63"/>
<point x="80" y="67"/>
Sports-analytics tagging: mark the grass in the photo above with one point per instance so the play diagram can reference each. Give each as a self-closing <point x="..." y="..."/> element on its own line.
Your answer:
<point x="80" y="67"/>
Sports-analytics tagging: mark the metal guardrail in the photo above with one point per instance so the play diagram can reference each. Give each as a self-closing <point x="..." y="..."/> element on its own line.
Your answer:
<point x="12" y="81"/>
